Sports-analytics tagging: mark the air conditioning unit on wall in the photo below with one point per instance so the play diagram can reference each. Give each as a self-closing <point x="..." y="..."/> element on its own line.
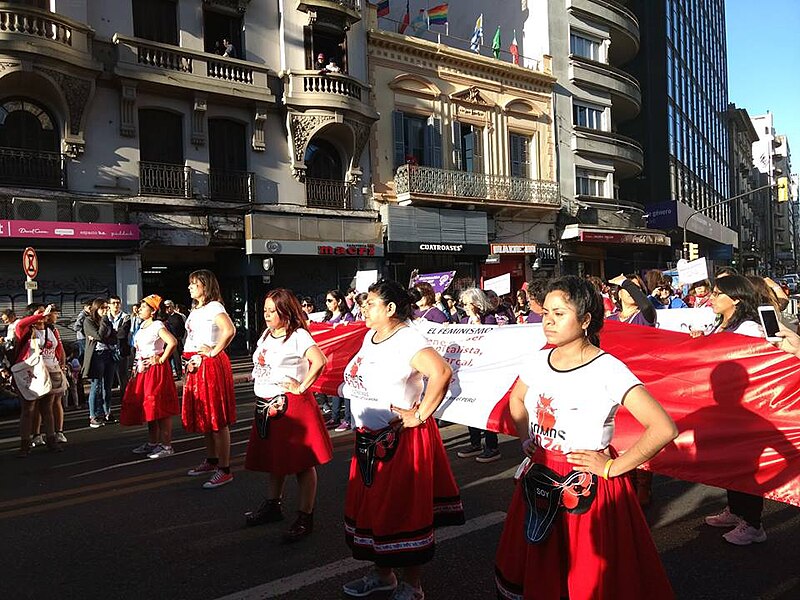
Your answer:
<point x="34" y="209"/>
<point x="93" y="212"/>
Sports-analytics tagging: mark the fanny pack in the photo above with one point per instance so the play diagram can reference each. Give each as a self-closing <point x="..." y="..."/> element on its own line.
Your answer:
<point x="269" y="408"/>
<point x="373" y="446"/>
<point x="547" y="494"/>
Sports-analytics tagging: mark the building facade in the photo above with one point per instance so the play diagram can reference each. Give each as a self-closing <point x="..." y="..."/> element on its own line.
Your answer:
<point x="206" y="128"/>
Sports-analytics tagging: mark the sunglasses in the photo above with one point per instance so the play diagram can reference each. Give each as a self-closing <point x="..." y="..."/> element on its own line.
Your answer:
<point x="328" y="299"/>
<point x="306" y="305"/>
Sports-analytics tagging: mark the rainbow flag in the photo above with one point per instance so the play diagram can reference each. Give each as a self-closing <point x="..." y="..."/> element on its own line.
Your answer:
<point x="438" y="15"/>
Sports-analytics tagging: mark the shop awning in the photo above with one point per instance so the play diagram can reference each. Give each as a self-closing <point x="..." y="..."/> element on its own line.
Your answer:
<point x="599" y="235"/>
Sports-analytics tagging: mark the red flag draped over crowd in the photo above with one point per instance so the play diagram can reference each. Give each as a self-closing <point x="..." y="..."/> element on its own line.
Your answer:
<point x="735" y="400"/>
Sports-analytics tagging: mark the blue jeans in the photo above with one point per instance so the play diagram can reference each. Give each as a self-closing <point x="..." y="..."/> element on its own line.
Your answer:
<point x="336" y="403"/>
<point x="102" y="370"/>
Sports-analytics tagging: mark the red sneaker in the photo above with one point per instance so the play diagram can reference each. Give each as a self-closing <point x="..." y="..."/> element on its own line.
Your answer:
<point x="219" y="478"/>
<point x="201" y="469"/>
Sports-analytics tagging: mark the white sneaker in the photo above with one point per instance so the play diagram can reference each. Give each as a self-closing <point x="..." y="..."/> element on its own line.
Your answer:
<point x="161" y="451"/>
<point x="37" y="440"/>
<point x="370" y="583"/>
<point x="724" y="519"/>
<point x="744" y="535"/>
<point x="61" y="437"/>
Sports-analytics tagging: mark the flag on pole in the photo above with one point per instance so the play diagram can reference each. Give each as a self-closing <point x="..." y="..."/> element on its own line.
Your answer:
<point x="514" y="49"/>
<point x="496" y="43"/>
<point x="383" y="8"/>
<point x="406" y="19"/>
<point x="477" y="36"/>
<point x="419" y="23"/>
<point x="438" y="15"/>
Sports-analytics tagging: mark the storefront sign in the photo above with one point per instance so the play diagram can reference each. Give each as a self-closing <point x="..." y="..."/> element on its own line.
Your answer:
<point x="313" y="248"/>
<point x="513" y="248"/>
<point x="67" y="230"/>
<point x="547" y="253"/>
<point x="438" y="248"/>
<point x="346" y="250"/>
<point x="648" y="239"/>
<point x="673" y="215"/>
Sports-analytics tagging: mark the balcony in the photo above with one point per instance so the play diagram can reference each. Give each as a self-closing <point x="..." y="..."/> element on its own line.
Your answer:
<point x="347" y="10"/>
<point x="32" y="169"/>
<point x="232" y="186"/>
<point x="333" y="91"/>
<point x="626" y="94"/>
<point x="28" y="30"/>
<point x="160" y="179"/>
<point x="622" y="23"/>
<point x="157" y="63"/>
<point x="624" y="152"/>
<point x="426" y="185"/>
<point x="328" y="193"/>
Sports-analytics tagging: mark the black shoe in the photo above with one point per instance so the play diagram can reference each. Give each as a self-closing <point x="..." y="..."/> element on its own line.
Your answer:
<point x="268" y="512"/>
<point x="302" y="527"/>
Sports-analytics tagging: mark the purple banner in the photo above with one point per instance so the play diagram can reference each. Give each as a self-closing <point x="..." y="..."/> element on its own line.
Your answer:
<point x="439" y="281"/>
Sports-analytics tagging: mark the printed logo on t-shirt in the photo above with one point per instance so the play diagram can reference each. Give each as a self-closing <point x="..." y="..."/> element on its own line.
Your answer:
<point x="543" y="431"/>
<point x="352" y="378"/>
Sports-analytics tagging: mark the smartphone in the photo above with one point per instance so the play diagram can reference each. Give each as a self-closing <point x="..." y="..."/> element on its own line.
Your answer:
<point x="769" y="321"/>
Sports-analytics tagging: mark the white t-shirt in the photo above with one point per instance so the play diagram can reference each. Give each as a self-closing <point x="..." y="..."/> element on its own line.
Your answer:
<point x="748" y="328"/>
<point x="200" y="327"/>
<point x="275" y="359"/>
<point x="575" y="409"/>
<point x="381" y="375"/>
<point x="148" y="343"/>
<point x="48" y="344"/>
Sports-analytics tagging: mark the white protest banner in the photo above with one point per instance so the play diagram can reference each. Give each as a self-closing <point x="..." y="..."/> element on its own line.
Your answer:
<point x="500" y="285"/>
<point x="693" y="271"/>
<point x="364" y="279"/>
<point x="685" y="319"/>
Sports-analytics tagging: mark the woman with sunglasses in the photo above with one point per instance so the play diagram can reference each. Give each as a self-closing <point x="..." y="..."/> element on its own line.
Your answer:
<point x="98" y="361"/>
<point x="401" y="486"/>
<point x="288" y="436"/>
<point x="735" y="302"/>
<point x="336" y="312"/>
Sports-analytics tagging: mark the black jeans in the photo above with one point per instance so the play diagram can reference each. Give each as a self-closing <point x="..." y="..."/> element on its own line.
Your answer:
<point x="475" y="438"/>
<point x="746" y="506"/>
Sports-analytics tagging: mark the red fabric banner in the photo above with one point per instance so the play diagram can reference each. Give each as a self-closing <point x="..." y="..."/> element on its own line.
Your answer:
<point x="735" y="399"/>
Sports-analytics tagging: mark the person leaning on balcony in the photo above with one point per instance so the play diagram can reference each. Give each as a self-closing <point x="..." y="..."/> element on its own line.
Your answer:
<point x="321" y="64"/>
<point x="228" y="49"/>
<point x="332" y="66"/>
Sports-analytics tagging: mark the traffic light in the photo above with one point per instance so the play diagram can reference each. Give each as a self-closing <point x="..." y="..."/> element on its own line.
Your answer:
<point x="691" y="251"/>
<point x="783" y="189"/>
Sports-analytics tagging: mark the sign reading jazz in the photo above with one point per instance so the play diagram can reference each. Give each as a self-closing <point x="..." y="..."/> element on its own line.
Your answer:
<point x="30" y="263"/>
<point x="67" y="230"/>
<point x="346" y="250"/>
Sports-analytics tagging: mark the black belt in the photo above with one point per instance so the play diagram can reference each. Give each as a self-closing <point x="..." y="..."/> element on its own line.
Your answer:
<point x="269" y="408"/>
<point x="372" y="446"/>
<point x="547" y="494"/>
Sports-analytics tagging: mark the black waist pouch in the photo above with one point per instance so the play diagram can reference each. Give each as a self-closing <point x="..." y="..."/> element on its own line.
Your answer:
<point x="372" y="446"/>
<point x="267" y="409"/>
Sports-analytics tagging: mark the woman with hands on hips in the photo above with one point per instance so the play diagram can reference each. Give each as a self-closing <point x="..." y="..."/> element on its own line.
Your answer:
<point x="574" y="528"/>
<point x="401" y="486"/>
<point x="288" y="434"/>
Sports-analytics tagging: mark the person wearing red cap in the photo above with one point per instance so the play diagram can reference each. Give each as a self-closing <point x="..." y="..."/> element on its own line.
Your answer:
<point x="150" y="395"/>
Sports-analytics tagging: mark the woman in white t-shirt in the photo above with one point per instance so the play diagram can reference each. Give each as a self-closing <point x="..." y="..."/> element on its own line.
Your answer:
<point x="401" y="485"/>
<point x="288" y="436"/>
<point x="150" y="396"/>
<point x="574" y="528"/>
<point x="209" y="404"/>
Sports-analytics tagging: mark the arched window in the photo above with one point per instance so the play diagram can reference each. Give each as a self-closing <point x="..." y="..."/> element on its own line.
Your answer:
<point x="323" y="161"/>
<point x="29" y="126"/>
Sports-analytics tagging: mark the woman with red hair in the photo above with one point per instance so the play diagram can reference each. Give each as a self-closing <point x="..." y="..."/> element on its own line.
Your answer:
<point x="288" y="436"/>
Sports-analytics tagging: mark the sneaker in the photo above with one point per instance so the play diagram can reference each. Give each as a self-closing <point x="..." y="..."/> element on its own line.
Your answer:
<point x="405" y="591"/>
<point x="61" y="437"/>
<point x="37" y="440"/>
<point x="161" y="451"/>
<point x="201" y="469"/>
<point x="219" y="478"/>
<point x="371" y="582"/>
<point x="145" y="448"/>
<point x="488" y="455"/>
<point x="343" y="426"/>
<point x="109" y="418"/>
<point x="744" y="534"/>
<point x="94" y="423"/>
<point x="331" y="424"/>
<point x="469" y="452"/>
<point x="724" y="519"/>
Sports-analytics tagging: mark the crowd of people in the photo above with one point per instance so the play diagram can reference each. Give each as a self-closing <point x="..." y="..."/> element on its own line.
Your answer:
<point x="574" y="527"/>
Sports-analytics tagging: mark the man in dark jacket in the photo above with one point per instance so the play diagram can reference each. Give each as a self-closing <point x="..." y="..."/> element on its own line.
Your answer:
<point x="121" y="322"/>
<point x="176" y="325"/>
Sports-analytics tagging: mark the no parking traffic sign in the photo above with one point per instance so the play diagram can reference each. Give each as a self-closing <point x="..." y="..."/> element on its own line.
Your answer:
<point x="30" y="262"/>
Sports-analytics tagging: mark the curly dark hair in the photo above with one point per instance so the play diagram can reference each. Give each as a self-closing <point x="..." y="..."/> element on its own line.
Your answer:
<point x="582" y="295"/>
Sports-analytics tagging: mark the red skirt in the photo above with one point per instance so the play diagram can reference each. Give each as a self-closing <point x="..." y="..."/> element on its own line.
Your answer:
<point x="391" y="522"/>
<point x="296" y="441"/>
<point x="209" y="403"/>
<point x="607" y="552"/>
<point x="149" y="396"/>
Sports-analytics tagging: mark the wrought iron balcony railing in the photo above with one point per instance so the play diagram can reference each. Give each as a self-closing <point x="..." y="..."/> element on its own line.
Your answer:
<point x="328" y="193"/>
<point x="160" y="179"/>
<point x="413" y="181"/>
<point x="231" y="186"/>
<point x="32" y="168"/>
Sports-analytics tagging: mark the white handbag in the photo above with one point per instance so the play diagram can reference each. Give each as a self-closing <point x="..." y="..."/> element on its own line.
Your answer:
<point x="31" y="376"/>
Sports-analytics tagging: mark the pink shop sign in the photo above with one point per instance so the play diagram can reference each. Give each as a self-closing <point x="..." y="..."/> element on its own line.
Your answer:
<point x="67" y="230"/>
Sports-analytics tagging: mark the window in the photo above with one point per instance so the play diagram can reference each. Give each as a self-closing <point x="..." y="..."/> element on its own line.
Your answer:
<point x="584" y="46"/>
<point x="330" y="42"/>
<point x="156" y="20"/>
<point x="218" y="26"/>
<point x="519" y="154"/>
<point x="27" y="125"/>
<point x="227" y="145"/>
<point x="417" y="140"/>
<point x="467" y="147"/>
<point x="590" y="183"/>
<point x="587" y="116"/>
<point x="160" y="137"/>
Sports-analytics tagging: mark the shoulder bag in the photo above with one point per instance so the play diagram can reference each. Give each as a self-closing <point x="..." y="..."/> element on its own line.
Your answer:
<point x="31" y="375"/>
